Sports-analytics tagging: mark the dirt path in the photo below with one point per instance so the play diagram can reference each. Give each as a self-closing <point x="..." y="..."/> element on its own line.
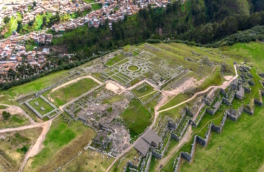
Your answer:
<point x="21" y="128"/>
<point x="223" y="86"/>
<point x="37" y="147"/>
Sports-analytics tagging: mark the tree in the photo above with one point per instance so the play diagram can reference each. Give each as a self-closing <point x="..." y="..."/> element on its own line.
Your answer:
<point x="19" y="25"/>
<point x="6" y="19"/>
<point x="6" y="115"/>
<point x="34" y="4"/>
<point x="44" y="21"/>
<point x="60" y="62"/>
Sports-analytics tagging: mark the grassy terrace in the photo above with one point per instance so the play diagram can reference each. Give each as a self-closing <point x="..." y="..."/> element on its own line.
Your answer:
<point x="114" y="60"/>
<point x="37" y="85"/>
<point x="176" y="100"/>
<point x="62" y="142"/>
<point x="71" y="91"/>
<point x="251" y="53"/>
<point x="43" y="104"/>
<point x="136" y="118"/>
<point x="143" y="90"/>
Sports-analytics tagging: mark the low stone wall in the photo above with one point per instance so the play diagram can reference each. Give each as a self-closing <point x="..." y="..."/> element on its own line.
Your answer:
<point x="196" y="123"/>
<point x="178" y="137"/>
<point x="148" y="162"/>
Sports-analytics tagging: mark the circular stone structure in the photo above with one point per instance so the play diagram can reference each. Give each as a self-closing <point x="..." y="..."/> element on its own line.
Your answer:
<point x="133" y="68"/>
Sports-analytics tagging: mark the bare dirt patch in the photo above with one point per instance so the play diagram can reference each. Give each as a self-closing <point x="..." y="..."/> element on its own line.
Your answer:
<point x="114" y="87"/>
<point x="228" y="77"/>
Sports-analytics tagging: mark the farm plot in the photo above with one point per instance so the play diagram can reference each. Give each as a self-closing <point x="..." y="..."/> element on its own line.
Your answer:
<point x="69" y="92"/>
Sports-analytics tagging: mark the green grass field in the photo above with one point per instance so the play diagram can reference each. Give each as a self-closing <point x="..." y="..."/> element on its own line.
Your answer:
<point x="62" y="142"/>
<point x="69" y="92"/>
<point x="15" y="145"/>
<point x="96" y="6"/>
<point x="251" y="53"/>
<point x="175" y="100"/>
<point x="247" y="138"/>
<point x="14" y="121"/>
<point x="114" y="60"/>
<point x="143" y="91"/>
<point x="88" y="1"/>
<point x="37" y="85"/>
<point x="42" y="103"/>
<point x="136" y="118"/>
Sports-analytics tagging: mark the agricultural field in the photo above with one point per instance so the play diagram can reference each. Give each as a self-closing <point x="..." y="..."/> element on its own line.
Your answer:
<point x="71" y="91"/>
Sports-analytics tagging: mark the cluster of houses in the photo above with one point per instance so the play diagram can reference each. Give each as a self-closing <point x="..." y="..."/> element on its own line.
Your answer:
<point x="95" y="18"/>
<point x="13" y="51"/>
<point x="29" y="11"/>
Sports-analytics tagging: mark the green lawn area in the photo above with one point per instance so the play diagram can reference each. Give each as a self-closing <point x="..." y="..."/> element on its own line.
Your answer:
<point x="213" y="80"/>
<point x="247" y="52"/>
<point x="114" y="60"/>
<point x="136" y="118"/>
<point x="38" y="84"/>
<point x="63" y="141"/>
<point x="14" y="121"/>
<point x="88" y="1"/>
<point x="114" y="98"/>
<point x="69" y="92"/>
<point x="143" y="90"/>
<point x="42" y="103"/>
<point x="11" y="26"/>
<point x="96" y="6"/>
<point x="15" y="145"/>
<point x="247" y="138"/>
<point x="176" y="100"/>
<point x="254" y="89"/>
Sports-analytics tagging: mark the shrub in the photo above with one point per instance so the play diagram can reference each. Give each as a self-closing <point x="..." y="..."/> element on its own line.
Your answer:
<point x="6" y="115"/>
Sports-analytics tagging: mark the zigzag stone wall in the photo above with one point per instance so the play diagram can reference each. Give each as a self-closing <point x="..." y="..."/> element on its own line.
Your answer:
<point x="197" y="139"/>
